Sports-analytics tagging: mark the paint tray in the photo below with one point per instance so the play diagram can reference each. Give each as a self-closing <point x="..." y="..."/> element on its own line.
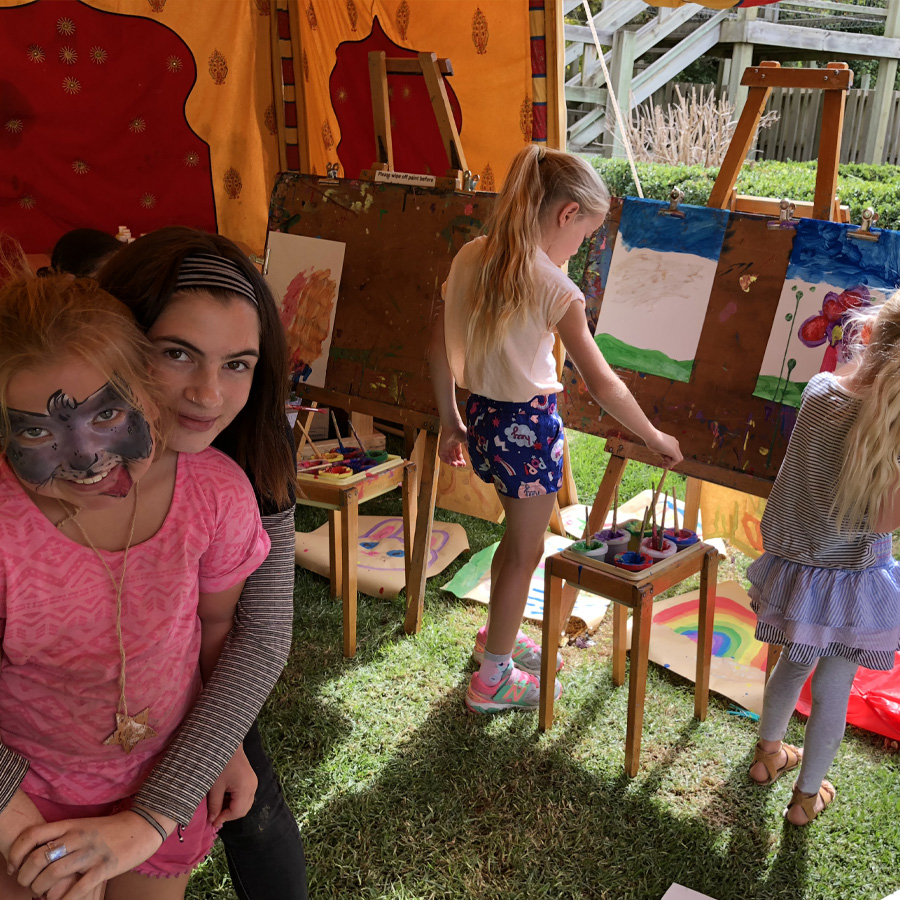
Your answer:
<point x="391" y="462"/>
<point x="645" y="574"/>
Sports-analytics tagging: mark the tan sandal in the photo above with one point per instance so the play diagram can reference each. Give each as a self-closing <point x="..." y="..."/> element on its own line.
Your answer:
<point x="807" y="802"/>
<point x="793" y="758"/>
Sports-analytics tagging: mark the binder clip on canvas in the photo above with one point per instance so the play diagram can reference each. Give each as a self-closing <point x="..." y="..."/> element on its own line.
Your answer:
<point x="786" y="218"/>
<point x="675" y="197"/>
<point x="865" y="232"/>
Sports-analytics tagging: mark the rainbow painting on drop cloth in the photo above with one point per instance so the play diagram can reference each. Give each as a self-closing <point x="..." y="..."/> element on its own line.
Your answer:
<point x="660" y="278"/>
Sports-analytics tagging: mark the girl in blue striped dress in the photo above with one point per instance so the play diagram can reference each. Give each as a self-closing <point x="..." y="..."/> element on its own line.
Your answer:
<point x="827" y="587"/>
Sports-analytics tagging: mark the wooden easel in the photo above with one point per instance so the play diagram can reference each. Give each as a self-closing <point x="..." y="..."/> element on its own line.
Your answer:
<point x="835" y="80"/>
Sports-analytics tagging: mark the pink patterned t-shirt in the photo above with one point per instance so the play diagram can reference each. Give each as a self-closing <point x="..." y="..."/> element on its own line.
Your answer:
<point x="59" y="668"/>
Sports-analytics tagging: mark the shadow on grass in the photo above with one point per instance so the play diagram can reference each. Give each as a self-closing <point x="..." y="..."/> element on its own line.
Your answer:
<point x="475" y="807"/>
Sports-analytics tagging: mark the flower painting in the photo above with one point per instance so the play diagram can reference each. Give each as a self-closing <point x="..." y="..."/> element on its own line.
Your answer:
<point x="831" y="276"/>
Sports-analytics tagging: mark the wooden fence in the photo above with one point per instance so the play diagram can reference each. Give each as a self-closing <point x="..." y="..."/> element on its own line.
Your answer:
<point x="795" y="135"/>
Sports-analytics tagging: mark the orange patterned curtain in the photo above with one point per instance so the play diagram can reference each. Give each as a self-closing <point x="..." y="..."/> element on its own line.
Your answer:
<point x="487" y="41"/>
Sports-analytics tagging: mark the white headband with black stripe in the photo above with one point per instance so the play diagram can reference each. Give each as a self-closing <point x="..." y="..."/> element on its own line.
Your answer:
<point x="203" y="270"/>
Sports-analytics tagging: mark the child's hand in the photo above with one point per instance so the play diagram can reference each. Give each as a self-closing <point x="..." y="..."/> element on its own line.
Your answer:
<point x="667" y="447"/>
<point x="238" y="783"/>
<point x="450" y="446"/>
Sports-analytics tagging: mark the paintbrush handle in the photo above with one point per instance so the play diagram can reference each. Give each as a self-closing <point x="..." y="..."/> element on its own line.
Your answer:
<point x="315" y="449"/>
<point x="355" y="435"/>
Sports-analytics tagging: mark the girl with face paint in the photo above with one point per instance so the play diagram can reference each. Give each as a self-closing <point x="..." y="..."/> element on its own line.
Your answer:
<point x="221" y="361"/>
<point x="118" y="557"/>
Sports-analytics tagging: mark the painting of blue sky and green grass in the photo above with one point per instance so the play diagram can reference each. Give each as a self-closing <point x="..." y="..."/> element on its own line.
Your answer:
<point x="660" y="279"/>
<point x="830" y="275"/>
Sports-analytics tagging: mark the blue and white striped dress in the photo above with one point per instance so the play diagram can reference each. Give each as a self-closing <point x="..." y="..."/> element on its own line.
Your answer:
<point x="818" y="591"/>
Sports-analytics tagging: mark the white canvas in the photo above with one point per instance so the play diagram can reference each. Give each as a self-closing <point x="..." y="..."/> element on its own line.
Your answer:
<point x="305" y="276"/>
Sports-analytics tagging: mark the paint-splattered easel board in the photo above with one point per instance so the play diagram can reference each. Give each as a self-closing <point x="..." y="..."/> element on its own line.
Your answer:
<point x="400" y="242"/>
<point x="728" y="436"/>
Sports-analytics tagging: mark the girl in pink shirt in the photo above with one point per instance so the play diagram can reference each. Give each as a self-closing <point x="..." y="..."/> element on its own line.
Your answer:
<point x="120" y="567"/>
<point x="504" y="299"/>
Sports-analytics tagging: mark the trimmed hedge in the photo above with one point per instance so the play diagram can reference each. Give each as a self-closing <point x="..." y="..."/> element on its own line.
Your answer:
<point x="859" y="186"/>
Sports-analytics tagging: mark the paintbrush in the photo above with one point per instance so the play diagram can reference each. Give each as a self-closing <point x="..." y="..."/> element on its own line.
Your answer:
<point x="307" y="408"/>
<point x="615" y="509"/>
<point x="337" y="431"/>
<point x="662" y="481"/>
<point x="315" y="449"/>
<point x="675" y="507"/>
<point x="307" y="469"/>
<point x="662" y="524"/>
<point x="653" y="538"/>
<point x="587" y="520"/>
<point x="644" y="523"/>
<point x="362" y="446"/>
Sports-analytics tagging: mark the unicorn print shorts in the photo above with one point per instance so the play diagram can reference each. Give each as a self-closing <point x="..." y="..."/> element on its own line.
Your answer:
<point x="516" y="446"/>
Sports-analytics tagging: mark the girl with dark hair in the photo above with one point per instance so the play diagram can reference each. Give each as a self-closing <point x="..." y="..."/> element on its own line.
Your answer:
<point x="199" y="299"/>
<point x="81" y="252"/>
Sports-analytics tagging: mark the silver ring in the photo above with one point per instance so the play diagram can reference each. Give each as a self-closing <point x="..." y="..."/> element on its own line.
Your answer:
<point x="55" y="852"/>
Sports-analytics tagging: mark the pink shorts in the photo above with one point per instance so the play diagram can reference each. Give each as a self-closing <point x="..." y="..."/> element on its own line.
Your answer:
<point x="181" y="852"/>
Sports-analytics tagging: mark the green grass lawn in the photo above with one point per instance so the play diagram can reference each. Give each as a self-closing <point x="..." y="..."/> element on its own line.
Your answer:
<point x="402" y="794"/>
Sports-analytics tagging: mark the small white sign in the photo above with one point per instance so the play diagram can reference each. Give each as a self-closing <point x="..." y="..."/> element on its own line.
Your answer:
<point x="405" y="178"/>
<point x="677" y="892"/>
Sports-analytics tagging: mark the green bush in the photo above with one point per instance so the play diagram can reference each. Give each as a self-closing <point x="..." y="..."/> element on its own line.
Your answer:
<point x="859" y="186"/>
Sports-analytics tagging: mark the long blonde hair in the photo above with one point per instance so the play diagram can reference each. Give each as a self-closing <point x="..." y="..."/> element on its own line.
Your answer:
<point x="538" y="179"/>
<point x="870" y="472"/>
<point x="43" y="320"/>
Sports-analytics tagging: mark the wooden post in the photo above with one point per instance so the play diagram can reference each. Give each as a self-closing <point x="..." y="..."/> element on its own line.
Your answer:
<point x="833" y="104"/>
<point x="381" y="113"/>
<point x="621" y="71"/>
<point x="440" y="103"/>
<point x="741" y="58"/>
<point x="415" y="586"/>
<point x="876" y="137"/>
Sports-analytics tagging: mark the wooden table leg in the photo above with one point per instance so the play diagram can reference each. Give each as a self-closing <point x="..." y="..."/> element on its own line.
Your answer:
<point x="408" y="490"/>
<point x="620" y="623"/>
<point x="415" y="587"/>
<point x="550" y="639"/>
<point x="349" y="513"/>
<point x="637" y="679"/>
<point x="335" y="564"/>
<point x="705" y="623"/>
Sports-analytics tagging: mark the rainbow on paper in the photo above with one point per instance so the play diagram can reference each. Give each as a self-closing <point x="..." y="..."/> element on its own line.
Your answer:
<point x="733" y="632"/>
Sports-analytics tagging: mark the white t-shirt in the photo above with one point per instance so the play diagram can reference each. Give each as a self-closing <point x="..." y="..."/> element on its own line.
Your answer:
<point x="522" y="365"/>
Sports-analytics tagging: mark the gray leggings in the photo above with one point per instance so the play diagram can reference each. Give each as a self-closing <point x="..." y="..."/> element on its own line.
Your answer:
<point x="831" y="686"/>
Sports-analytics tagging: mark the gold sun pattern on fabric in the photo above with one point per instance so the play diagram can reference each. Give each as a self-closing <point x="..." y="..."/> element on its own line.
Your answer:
<point x="148" y="201"/>
<point x="137" y="125"/>
<point x="65" y="26"/>
<point x="71" y="85"/>
<point x="80" y="167"/>
<point x="27" y="202"/>
<point x="191" y="159"/>
<point x="174" y="64"/>
<point x="14" y="126"/>
<point x="98" y="55"/>
<point x="68" y="56"/>
<point x="36" y="53"/>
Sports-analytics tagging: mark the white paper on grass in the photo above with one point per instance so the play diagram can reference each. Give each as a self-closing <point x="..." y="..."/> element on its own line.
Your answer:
<point x="304" y="274"/>
<point x="677" y="892"/>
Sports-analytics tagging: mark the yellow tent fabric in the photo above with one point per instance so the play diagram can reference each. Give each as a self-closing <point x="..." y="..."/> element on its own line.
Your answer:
<point x="488" y="43"/>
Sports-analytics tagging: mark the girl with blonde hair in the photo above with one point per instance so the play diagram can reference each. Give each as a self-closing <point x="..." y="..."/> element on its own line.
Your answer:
<point x="504" y="298"/>
<point x="827" y="587"/>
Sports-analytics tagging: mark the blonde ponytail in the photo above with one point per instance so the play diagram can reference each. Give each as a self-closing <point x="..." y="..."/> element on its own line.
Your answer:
<point x="538" y="179"/>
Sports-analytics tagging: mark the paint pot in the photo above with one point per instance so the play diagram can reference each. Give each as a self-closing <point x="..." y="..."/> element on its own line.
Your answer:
<point x="355" y="453"/>
<point x="616" y="541"/>
<point x="339" y="471"/>
<point x="378" y="456"/>
<point x="633" y="527"/>
<point x="633" y="562"/>
<point x="593" y="548"/>
<point x="668" y="549"/>
<point x="682" y="538"/>
<point x="333" y="457"/>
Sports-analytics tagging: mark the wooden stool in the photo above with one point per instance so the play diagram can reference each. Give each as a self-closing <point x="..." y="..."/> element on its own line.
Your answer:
<point x="342" y="502"/>
<point x="634" y="590"/>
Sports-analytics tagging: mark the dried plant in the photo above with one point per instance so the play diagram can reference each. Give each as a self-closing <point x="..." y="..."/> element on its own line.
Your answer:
<point x="695" y="130"/>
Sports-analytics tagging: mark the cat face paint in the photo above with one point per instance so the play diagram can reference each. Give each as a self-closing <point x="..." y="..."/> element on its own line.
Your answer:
<point x="94" y="447"/>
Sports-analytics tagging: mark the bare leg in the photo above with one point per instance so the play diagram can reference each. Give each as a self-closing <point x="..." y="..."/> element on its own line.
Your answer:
<point x="519" y="553"/>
